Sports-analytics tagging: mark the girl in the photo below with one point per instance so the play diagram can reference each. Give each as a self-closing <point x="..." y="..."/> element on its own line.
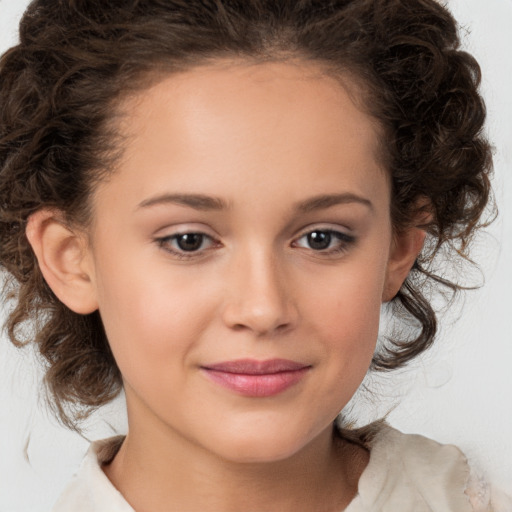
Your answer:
<point x="206" y="204"/>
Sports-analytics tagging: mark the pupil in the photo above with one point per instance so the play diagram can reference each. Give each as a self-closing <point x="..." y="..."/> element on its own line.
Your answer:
<point x="190" y="242"/>
<point x="319" y="240"/>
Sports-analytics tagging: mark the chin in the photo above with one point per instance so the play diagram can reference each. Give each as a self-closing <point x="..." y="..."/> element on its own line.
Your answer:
<point x="258" y="447"/>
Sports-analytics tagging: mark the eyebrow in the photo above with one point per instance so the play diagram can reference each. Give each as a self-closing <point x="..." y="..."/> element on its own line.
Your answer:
<point x="196" y="201"/>
<point x="207" y="203"/>
<point x="328" y="200"/>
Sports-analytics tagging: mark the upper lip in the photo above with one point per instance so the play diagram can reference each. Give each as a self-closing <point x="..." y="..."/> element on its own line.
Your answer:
<point x="255" y="367"/>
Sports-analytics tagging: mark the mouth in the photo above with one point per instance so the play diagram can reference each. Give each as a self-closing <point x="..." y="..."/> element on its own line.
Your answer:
<point x="254" y="378"/>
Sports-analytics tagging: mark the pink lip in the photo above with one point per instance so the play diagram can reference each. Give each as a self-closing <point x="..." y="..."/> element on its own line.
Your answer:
<point x="256" y="378"/>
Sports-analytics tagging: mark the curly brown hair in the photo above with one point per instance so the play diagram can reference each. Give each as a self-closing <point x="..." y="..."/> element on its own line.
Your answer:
<point x="60" y="86"/>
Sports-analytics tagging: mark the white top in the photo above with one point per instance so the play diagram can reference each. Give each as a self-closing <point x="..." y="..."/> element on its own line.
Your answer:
<point x="406" y="473"/>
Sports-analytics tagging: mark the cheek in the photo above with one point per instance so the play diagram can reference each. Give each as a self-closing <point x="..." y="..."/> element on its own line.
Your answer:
<point x="347" y="314"/>
<point x="144" y="315"/>
<point x="152" y="318"/>
<point x="351" y="301"/>
<point x="150" y="336"/>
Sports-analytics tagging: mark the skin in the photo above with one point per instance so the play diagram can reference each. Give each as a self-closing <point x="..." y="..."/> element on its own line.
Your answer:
<point x="262" y="140"/>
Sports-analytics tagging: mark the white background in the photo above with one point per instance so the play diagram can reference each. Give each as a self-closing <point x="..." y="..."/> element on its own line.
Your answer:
<point x="460" y="393"/>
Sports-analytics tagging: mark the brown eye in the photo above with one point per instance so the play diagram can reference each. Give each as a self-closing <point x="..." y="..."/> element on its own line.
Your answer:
<point x="190" y="241"/>
<point x="184" y="245"/>
<point x="325" y="241"/>
<point x="319" y="240"/>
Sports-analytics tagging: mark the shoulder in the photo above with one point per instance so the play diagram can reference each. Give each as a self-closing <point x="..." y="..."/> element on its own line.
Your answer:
<point x="90" y="490"/>
<point x="409" y="472"/>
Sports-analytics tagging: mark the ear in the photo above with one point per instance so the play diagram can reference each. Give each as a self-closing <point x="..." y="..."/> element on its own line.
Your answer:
<point x="405" y="248"/>
<point x="64" y="260"/>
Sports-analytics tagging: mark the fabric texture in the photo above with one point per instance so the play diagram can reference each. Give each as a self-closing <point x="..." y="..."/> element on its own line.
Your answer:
<point x="406" y="473"/>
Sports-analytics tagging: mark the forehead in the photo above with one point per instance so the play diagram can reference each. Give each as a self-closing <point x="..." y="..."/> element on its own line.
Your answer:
<point x="250" y="126"/>
<point x="227" y="90"/>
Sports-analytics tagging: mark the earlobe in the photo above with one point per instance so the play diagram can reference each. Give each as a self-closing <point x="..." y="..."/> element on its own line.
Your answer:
<point x="405" y="248"/>
<point x="64" y="260"/>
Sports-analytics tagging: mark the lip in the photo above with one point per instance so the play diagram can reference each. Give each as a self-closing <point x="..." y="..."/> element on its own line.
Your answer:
<point x="253" y="378"/>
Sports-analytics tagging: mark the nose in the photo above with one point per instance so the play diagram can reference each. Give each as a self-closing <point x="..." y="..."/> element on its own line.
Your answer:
<point x="258" y="295"/>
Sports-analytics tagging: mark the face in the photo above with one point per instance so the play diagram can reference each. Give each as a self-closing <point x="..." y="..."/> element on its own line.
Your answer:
<point x="239" y="256"/>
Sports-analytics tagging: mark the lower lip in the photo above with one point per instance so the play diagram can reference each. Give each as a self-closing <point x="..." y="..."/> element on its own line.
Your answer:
<point x="268" y="384"/>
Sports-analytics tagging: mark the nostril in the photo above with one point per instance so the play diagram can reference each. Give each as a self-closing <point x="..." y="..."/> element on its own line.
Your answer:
<point x="282" y="327"/>
<point x="278" y="328"/>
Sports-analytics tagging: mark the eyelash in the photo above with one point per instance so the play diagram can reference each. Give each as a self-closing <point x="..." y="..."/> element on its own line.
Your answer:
<point x="166" y="241"/>
<point x="344" y="242"/>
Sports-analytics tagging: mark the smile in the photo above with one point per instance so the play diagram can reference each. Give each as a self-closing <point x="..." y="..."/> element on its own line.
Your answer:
<point x="256" y="378"/>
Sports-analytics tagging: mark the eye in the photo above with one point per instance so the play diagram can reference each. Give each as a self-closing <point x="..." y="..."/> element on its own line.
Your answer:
<point x="185" y="245"/>
<point x="325" y="240"/>
<point x="190" y="242"/>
